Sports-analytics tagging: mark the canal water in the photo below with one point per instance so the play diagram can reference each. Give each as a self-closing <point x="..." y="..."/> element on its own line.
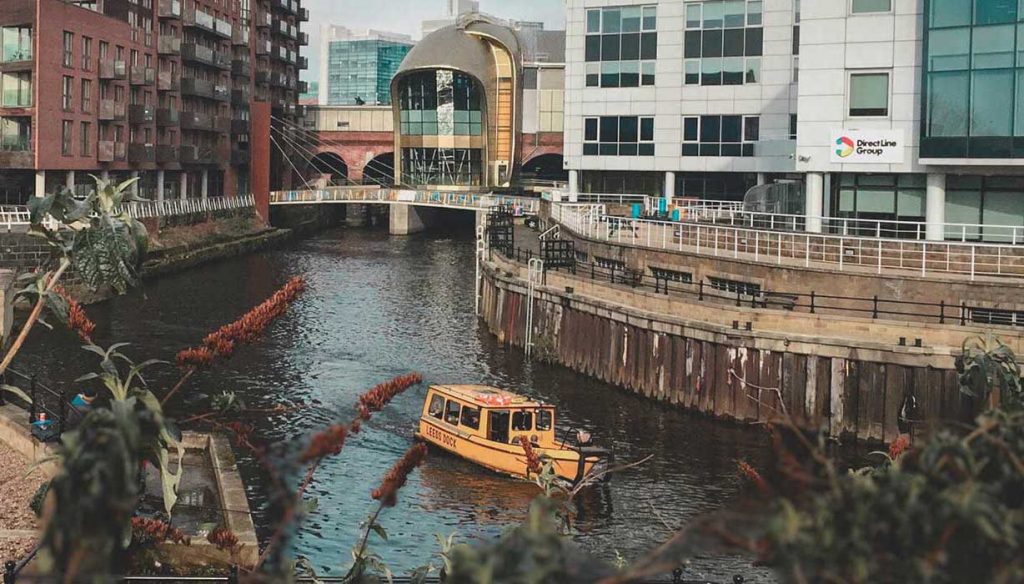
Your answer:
<point x="380" y="306"/>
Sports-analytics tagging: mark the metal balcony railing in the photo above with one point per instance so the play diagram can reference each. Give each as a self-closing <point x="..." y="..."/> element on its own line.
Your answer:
<point x="196" y="87"/>
<point x="263" y="47"/>
<point x="166" y="153"/>
<point x="240" y="97"/>
<point x="302" y="63"/>
<point x="141" y="152"/>
<point x="166" y="81"/>
<point x="303" y="38"/>
<point x="304" y="14"/>
<point x="221" y="93"/>
<point x="195" y="121"/>
<point x="240" y="36"/>
<point x="113" y="70"/>
<point x="168" y="45"/>
<point x="111" y="110"/>
<point x="167" y="117"/>
<point x="169" y="9"/>
<point x="105" y="151"/>
<point x="264" y="20"/>
<point x="142" y="75"/>
<point x="240" y="68"/>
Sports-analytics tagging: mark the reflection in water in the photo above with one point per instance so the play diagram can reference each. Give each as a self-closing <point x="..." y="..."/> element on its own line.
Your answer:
<point x="378" y="307"/>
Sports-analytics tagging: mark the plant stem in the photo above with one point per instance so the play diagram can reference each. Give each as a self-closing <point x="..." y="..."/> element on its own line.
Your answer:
<point x="178" y="385"/>
<point x="33" y="316"/>
<point x="288" y="515"/>
<point x="362" y="543"/>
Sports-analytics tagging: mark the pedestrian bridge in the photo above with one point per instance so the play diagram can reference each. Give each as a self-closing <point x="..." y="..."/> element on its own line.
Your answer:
<point x="371" y="194"/>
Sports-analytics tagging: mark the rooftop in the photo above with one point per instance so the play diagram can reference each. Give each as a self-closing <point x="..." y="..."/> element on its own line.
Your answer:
<point x="486" y="395"/>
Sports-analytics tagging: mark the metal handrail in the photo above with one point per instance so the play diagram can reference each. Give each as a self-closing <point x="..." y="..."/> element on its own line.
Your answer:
<point x="879" y="255"/>
<point x="376" y="194"/>
<point x="12" y="216"/>
<point x="847" y="226"/>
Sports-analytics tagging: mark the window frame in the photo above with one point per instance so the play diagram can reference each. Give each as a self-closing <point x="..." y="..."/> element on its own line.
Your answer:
<point x="68" y="49"/>
<point x="743" y="143"/>
<point x="67" y="93"/>
<point x="448" y="411"/>
<point x="67" y="128"/>
<point x="888" y="93"/>
<point x="470" y="409"/>
<point x="84" y="139"/>
<point x="852" y="12"/>
<point x="521" y="415"/>
<point x="597" y="69"/>
<point x="430" y="408"/>
<point x="639" y="142"/>
<point x="747" y="56"/>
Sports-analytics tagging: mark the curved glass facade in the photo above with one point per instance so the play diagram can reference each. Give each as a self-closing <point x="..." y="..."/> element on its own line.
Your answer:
<point x="441" y="103"/>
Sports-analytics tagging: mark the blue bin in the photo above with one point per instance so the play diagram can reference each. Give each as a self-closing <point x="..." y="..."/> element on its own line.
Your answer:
<point x="638" y="210"/>
<point x="675" y="214"/>
<point x="662" y="206"/>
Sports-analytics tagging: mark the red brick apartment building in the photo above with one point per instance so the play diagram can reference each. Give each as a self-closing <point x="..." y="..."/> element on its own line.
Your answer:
<point x="159" y="89"/>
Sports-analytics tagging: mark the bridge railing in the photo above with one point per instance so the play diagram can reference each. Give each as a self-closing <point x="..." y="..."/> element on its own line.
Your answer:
<point x="13" y="216"/>
<point x="171" y="207"/>
<point x="845" y="253"/>
<point x="460" y="200"/>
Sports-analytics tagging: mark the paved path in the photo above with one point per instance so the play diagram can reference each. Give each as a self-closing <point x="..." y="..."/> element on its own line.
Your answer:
<point x="17" y="522"/>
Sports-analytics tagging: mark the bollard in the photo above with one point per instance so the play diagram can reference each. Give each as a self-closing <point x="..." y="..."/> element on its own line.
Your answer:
<point x="942" y="312"/>
<point x="9" y="574"/>
<point x="812" y="301"/>
<point x="700" y="294"/>
<point x="233" y="574"/>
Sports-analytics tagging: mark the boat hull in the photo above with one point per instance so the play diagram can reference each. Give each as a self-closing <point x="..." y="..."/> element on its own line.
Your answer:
<point x="503" y="458"/>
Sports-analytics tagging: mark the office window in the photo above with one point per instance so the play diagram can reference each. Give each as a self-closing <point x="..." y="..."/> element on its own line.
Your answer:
<point x="723" y="42"/>
<point x="440" y="103"/>
<point x="869" y="94"/>
<point x="65" y="137"/>
<point x="65" y="93"/>
<point x="69" y="41"/>
<point x="15" y="134"/>
<point x="442" y="166"/>
<point x="868" y="6"/>
<point x="15" y="44"/>
<point x="86" y="96"/>
<point x="86" y="53"/>
<point x="792" y="126"/>
<point x="621" y="46"/>
<point x="85" y="139"/>
<point x="17" y="89"/>
<point x="720" y="135"/>
<point x="618" y="136"/>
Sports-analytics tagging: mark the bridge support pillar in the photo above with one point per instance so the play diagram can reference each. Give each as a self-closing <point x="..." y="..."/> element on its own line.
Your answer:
<point x="815" y="192"/>
<point x="40" y="183"/>
<point x="405" y="220"/>
<point x="574" y="183"/>
<point x="670" y="188"/>
<point x="935" y="207"/>
<point x="160" y="186"/>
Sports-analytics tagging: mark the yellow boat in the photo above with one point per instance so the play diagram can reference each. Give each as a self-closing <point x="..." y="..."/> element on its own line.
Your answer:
<point x="483" y="424"/>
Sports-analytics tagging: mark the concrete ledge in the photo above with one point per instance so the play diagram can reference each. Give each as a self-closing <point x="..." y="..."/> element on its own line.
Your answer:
<point x="16" y="432"/>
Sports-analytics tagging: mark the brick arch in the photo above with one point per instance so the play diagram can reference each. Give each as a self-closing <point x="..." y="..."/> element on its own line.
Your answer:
<point x="356" y="148"/>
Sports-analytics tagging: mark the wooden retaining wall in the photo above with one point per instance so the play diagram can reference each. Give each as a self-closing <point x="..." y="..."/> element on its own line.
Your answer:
<point x="726" y="374"/>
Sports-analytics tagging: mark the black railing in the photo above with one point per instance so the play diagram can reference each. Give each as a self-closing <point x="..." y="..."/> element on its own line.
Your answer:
<point x="56" y="406"/>
<point x="812" y="302"/>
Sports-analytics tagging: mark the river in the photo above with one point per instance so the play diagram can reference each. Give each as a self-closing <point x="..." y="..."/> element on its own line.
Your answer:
<point x="379" y="306"/>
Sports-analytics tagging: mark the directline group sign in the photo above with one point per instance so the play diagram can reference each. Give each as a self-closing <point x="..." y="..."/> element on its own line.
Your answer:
<point x="868" y="146"/>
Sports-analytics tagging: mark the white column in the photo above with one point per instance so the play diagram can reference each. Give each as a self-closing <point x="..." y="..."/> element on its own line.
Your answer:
<point x="935" y="207"/>
<point x="574" y="182"/>
<point x="184" y="185"/>
<point x="69" y="181"/>
<point x="40" y="183"/>
<point x="762" y="178"/>
<point x="160" y="186"/>
<point x="206" y="183"/>
<point x="135" y="185"/>
<point x="670" y="188"/>
<point x="812" y="205"/>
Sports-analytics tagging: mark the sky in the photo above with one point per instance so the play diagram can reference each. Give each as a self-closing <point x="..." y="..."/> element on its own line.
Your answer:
<point x="404" y="16"/>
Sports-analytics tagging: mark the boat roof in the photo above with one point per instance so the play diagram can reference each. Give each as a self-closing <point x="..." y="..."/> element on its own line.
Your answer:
<point x="485" y="395"/>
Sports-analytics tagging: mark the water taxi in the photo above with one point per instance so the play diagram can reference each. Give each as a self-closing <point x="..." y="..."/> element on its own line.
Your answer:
<point x="483" y="424"/>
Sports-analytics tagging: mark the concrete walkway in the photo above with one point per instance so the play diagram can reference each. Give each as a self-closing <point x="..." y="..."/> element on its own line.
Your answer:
<point x="18" y="484"/>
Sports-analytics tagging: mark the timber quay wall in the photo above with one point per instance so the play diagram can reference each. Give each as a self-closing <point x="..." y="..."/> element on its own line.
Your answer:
<point x="845" y="375"/>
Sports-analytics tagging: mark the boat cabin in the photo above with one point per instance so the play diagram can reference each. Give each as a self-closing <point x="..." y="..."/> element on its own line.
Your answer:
<point x="492" y="414"/>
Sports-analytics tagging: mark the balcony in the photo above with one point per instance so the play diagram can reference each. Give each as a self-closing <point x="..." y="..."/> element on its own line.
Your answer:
<point x="200" y="20"/>
<point x="239" y="126"/>
<point x="240" y="68"/>
<point x="142" y="75"/>
<point x="165" y="81"/>
<point x="240" y="97"/>
<point x="262" y="77"/>
<point x="194" y="53"/>
<point x="221" y="93"/>
<point x="196" y="87"/>
<point x="169" y="9"/>
<point x="168" y="45"/>
<point x="166" y="153"/>
<point x="240" y="36"/>
<point x="197" y="155"/>
<point x="282" y="53"/>
<point x="196" y="121"/>
<point x="304" y="38"/>
<point x="141" y="153"/>
<point x="304" y="14"/>
<point x="239" y="157"/>
<point x="302" y="62"/>
<point x="283" y="27"/>
<point x="290" y="6"/>
<point x="105" y="151"/>
<point x="264" y="20"/>
<point x="263" y="47"/>
<point x="115" y="70"/>
<point x="111" y="110"/>
<point x="221" y="125"/>
<point x="167" y="117"/>
<point x="141" y="114"/>
<point x="302" y="87"/>
<point x="223" y="27"/>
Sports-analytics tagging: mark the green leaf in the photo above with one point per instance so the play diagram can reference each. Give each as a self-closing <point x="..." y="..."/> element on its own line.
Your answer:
<point x="310" y="505"/>
<point x="379" y="530"/>
<point x="57" y="305"/>
<point x="16" y="391"/>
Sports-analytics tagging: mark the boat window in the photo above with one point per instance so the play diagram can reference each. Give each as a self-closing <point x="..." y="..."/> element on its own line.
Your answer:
<point x="522" y="421"/>
<point x="436" y="406"/>
<point x="543" y="420"/>
<point x="471" y="417"/>
<point x="451" y="414"/>
<point x="497" y="426"/>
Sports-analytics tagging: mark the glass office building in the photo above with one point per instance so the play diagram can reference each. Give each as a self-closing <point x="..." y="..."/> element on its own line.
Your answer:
<point x="360" y="71"/>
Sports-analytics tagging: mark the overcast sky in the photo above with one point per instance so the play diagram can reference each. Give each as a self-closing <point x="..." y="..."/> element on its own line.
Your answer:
<point x="404" y="16"/>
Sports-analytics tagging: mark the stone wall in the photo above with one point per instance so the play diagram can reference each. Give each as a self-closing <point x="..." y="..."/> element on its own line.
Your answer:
<point x="848" y="388"/>
<point x="21" y="251"/>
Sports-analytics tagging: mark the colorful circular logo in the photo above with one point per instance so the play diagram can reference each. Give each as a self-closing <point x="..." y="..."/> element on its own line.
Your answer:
<point x="845" y="147"/>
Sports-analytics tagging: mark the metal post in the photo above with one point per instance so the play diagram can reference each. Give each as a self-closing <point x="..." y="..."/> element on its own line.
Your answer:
<point x="535" y="274"/>
<point x="942" y="312"/>
<point x="874" y="307"/>
<point x="700" y="293"/>
<point x="812" y="301"/>
<point x="737" y="297"/>
<point x="9" y="574"/>
<point x="63" y="411"/>
<point x="32" y="394"/>
<point x="963" y="313"/>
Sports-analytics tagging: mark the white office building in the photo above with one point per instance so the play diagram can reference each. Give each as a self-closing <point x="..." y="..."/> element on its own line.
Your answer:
<point x="885" y="110"/>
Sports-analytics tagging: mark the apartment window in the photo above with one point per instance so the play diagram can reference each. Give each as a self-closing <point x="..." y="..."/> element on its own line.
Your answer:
<point x="671" y="275"/>
<point x="720" y="135"/>
<point x="621" y="46"/>
<point x="69" y="41"/>
<point x="15" y="134"/>
<point x="792" y="126"/>
<point x="86" y="53"/>
<point x="996" y="316"/>
<point x="65" y="93"/>
<point x="17" y="89"/>
<point x="86" y="96"/>
<point x="723" y="42"/>
<point x="618" y="136"/>
<point x="104" y="50"/>
<point x="869" y="95"/>
<point x="868" y="6"/>
<point x="85" y="139"/>
<point x="65" y="137"/>
<point x="15" y="44"/>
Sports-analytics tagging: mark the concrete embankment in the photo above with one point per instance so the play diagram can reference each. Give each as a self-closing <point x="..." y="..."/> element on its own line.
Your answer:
<point x="689" y="355"/>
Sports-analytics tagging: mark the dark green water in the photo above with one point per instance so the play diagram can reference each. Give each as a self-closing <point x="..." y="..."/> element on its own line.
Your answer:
<point x="377" y="307"/>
